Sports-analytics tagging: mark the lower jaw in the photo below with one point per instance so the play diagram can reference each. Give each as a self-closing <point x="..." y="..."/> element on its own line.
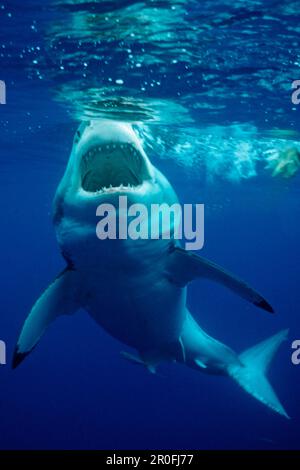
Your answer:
<point x="113" y="190"/>
<point x="91" y="184"/>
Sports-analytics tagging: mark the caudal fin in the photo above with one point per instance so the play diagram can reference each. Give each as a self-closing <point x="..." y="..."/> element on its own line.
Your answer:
<point x="252" y="377"/>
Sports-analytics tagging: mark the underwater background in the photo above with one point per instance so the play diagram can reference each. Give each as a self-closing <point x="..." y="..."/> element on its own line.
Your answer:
<point x="208" y="87"/>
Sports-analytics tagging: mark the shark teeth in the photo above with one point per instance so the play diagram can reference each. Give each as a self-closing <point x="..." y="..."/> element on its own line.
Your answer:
<point x="109" y="147"/>
<point x="104" y="158"/>
<point x="121" y="188"/>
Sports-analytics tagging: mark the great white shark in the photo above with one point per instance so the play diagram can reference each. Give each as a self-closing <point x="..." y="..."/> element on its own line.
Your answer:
<point x="136" y="289"/>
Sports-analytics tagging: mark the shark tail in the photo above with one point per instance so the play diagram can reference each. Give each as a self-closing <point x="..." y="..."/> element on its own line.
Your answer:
<point x="251" y="375"/>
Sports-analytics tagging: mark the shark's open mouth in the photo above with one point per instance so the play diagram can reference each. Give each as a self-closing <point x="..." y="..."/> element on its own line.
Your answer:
<point x="112" y="167"/>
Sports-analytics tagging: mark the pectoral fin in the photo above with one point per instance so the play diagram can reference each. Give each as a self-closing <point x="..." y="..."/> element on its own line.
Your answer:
<point x="60" y="298"/>
<point x="185" y="266"/>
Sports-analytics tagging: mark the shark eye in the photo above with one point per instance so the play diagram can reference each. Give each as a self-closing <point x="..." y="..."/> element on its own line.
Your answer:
<point x="81" y="130"/>
<point x="77" y="137"/>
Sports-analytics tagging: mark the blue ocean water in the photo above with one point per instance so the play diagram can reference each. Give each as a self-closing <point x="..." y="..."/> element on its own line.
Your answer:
<point x="208" y="87"/>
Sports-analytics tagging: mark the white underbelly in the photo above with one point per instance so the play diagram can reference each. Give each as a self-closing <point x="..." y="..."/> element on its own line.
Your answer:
<point x="143" y="311"/>
<point x="126" y="289"/>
